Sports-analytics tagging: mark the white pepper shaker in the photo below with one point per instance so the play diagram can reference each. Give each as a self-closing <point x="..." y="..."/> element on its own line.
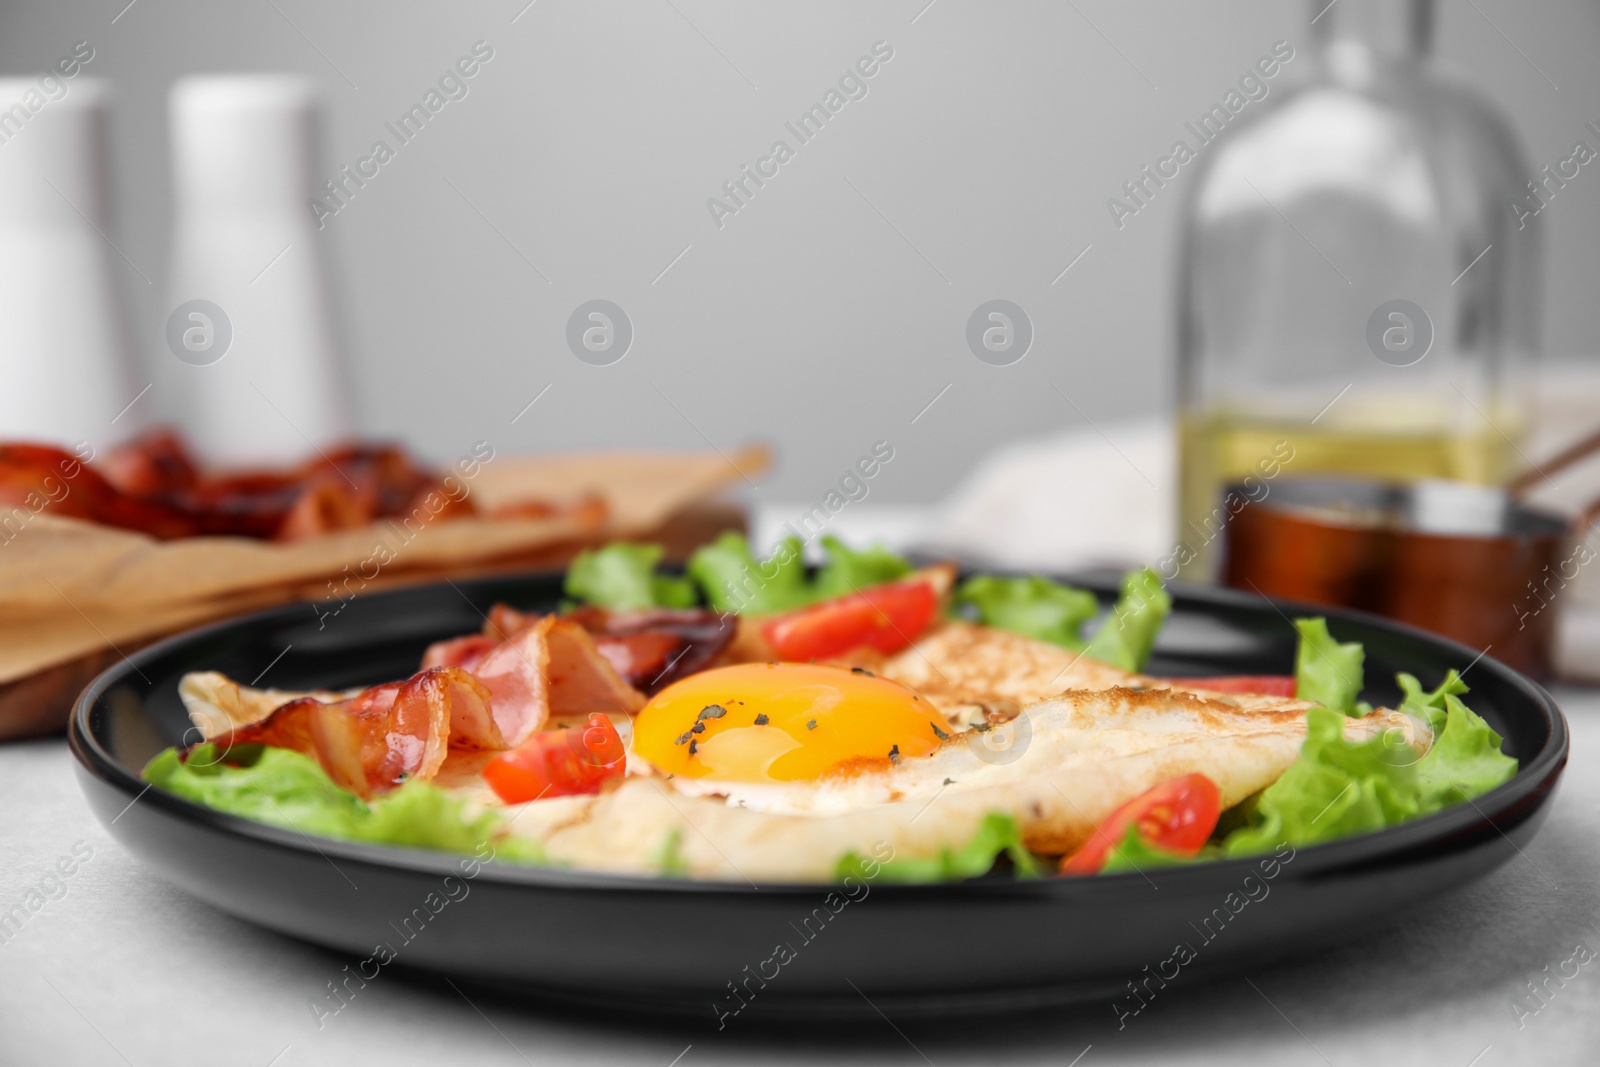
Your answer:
<point x="249" y="364"/>
<point x="66" y="353"/>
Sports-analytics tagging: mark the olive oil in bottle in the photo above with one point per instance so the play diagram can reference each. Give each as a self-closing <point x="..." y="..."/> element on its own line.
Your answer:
<point x="1224" y="449"/>
<point x="1356" y="289"/>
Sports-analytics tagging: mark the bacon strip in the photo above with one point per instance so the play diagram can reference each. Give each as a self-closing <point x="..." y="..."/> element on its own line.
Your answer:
<point x="504" y="620"/>
<point x="372" y="739"/>
<point x="464" y="652"/>
<point x="648" y="649"/>
<point x="382" y="736"/>
<point x="468" y="707"/>
<point x="551" y="667"/>
<point x="154" y="485"/>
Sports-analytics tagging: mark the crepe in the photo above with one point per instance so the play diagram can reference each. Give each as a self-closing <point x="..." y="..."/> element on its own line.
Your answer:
<point x="968" y="663"/>
<point x="1090" y="752"/>
<point x="980" y="674"/>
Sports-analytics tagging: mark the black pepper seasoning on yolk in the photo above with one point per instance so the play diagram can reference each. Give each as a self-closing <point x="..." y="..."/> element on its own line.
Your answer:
<point x="762" y="720"/>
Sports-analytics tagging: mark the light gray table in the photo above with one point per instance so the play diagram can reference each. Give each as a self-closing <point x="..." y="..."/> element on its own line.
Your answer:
<point x="120" y="968"/>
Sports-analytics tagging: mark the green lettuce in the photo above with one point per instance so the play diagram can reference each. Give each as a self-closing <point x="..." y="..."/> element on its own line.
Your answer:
<point x="1327" y="672"/>
<point x="1126" y="639"/>
<point x="1429" y="707"/>
<point x="848" y="571"/>
<point x="1049" y="611"/>
<point x="1033" y="607"/>
<point x="1339" y="788"/>
<point x="670" y="860"/>
<point x="272" y="785"/>
<point x="733" y="580"/>
<point x="1465" y="759"/>
<point x="1135" y="853"/>
<point x="622" y="576"/>
<point x="997" y="833"/>
<point x="284" y="788"/>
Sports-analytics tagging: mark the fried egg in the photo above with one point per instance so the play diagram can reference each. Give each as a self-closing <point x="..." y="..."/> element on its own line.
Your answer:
<point x="773" y="723"/>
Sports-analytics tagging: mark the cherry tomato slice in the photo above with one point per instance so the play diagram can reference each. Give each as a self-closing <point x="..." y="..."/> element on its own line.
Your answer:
<point x="1177" y="815"/>
<point x="1269" y="685"/>
<point x="887" y="618"/>
<point x="559" y="763"/>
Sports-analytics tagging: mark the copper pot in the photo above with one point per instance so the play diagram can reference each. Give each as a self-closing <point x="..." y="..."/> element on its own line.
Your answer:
<point x="1483" y="569"/>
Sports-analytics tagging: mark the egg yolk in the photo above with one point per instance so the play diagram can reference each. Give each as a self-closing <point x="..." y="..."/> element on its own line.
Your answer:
<point x="782" y="722"/>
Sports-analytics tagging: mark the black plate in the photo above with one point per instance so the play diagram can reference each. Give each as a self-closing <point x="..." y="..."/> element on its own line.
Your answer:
<point x="645" y="944"/>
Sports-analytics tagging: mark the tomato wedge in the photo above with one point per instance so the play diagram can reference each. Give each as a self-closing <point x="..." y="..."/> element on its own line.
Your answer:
<point x="1177" y="815"/>
<point x="559" y="763"/>
<point x="1268" y="685"/>
<point x="886" y="617"/>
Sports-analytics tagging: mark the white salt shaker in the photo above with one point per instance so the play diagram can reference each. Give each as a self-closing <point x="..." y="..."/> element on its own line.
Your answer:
<point x="66" y="355"/>
<point x="249" y="363"/>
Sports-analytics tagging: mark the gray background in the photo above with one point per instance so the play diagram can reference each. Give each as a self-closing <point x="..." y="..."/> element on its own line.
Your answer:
<point x="832" y="310"/>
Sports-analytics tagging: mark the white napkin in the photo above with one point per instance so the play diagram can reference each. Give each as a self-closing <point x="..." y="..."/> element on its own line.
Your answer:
<point x="1086" y="498"/>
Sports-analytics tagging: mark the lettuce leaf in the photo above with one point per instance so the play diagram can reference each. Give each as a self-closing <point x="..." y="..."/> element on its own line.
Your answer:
<point x="733" y="580"/>
<point x="283" y="788"/>
<point x="272" y="785"/>
<point x="1327" y="672"/>
<point x="1049" y="611"/>
<point x="1134" y="853"/>
<point x="848" y="571"/>
<point x="1339" y="788"/>
<point x="669" y="860"/>
<point x="421" y="815"/>
<point x="1465" y="759"/>
<point x="1126" y="639"/>
<point x="997" y="833"/>
<point x="622" y="576"/>
<point x="1033" y="607"/>
<point x="1428" y="706"/>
